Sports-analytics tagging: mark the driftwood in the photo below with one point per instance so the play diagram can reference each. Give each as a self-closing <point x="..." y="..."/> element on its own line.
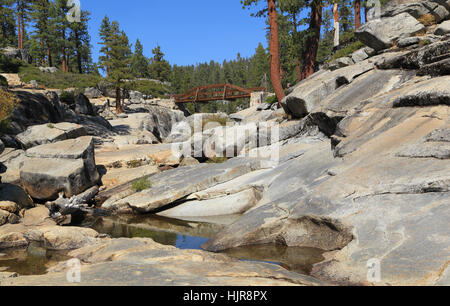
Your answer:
<point x="76" y="204"/>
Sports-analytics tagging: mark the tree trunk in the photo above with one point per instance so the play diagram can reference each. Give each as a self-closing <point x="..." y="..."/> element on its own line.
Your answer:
<point x="119" y="109"/>
<point x="80" y="70"/>
<point x="309" y="63"/>
<point x="49" y="55"/>
<point x="64" y="60"/>
<point x="336" y="24"/>
<point x="274" y="52"/>
<point x="357" y="14"/>
<point x="297" y="60"/>
<point x="19" y="39"/>
<point x="22" y="30"/>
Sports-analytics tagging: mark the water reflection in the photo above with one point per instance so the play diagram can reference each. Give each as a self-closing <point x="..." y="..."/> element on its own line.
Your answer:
<point x="191" y="235"/>
<point x="297" y="259"/>
<point x="34" y="260"/>
<point x="182" y="234"/>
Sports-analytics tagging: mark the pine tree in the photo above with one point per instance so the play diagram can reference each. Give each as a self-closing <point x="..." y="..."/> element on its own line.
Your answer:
<point x="7" y="23"/>
<point x="119" y="61"/>
<point x="61" y="32"/>
<point x="259" y="68"/>
<point x="159" y="68"/>
<point x="42" y="38"/>
<point x="105" y="34"/>
<point x="80" y="39"/>
<point x="139" y="63"/>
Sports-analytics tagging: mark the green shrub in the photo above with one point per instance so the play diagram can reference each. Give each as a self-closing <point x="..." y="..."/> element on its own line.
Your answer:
<point x="347" y="50"/>
<point x="141" y="184"/>
<point x="149" y="88"/>
<point x="50" y="126"/>
<point x="8" y="65"/>
<point x="271" y="100"/>
<point x="217" y="160"/>
<point x="59" y="79"/>
<point x="425" y="42"/>
<point x="7" y="104"/>
<point x="215" y="118"/>
<point x="3" y="81"/>
<point x="67" y="97"/>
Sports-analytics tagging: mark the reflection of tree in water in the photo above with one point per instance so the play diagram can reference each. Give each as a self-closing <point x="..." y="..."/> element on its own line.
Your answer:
<point x="33" y="260"/>
<point x="123" y="230"/>
<point x="295" y="259"/>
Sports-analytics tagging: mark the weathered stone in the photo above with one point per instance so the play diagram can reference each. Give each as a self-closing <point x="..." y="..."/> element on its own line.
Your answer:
<point x="443" y="28"/>
<point x="83" y="106"/>
<point x="67" y="166"/>
<point x="49" y="133"/>
<point x="181" y="132"/>
<point x="136" y="97"/>
<point x="189" y="161"/>
<point x="408" y="41"/>
<point x="359" y="55"/>
<point x="92" y="93"/>
<point x="431" y="59"/>
<point x="382" y="34"/>
<point x="33" y="109"/>
<point x="20" y="54"/>
<point x="4" y="215"/>
<point x="48" y="69"/>
<point x="237" y="203"/>
<point x="262" y="107"/>
<point x="340" y="63"/>
<point x="14" y="193"/>
<point x="159" y="121"/>
<point x="308" y="95"/>
<point x="171" y="186"/>
<point x="9" y="206"/>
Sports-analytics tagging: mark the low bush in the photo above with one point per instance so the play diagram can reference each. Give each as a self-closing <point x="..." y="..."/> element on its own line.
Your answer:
<point x="215" y="118"/>
<point x="150" y="88"/>
<point x="8" y="65"/>
<point x="59" y="79"/>
<point x="141" y="184"/>
<point x="7" y="104"/>
<point x="67" y="97"/>
<point x="347" y="50"/>
<point x="271" y="100"/>
<point x="427" y="20"/>
<point x="217" y="160"/>
<point x="3" y="81"/>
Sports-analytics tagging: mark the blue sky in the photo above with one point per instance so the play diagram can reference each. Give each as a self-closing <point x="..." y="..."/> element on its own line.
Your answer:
<point x="188" y="32"/>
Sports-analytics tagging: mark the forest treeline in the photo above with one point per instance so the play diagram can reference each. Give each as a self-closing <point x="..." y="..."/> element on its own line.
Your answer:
<point x="301" y="34"/>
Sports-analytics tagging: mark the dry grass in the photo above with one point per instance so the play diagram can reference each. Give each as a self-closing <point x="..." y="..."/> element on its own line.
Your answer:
<point x="7" y="104"/>
<point x="216" y="118"/>
<point x="427" y="20"/>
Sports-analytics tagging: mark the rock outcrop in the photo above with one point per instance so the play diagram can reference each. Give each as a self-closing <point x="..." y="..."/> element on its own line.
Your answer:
<point x="383" y="33"/>
<point x="66" y="166"/>
<point x="49" y="133"/>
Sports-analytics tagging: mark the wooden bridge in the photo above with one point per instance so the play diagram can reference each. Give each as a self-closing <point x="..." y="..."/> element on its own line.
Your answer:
<point x="216" y="92"/>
